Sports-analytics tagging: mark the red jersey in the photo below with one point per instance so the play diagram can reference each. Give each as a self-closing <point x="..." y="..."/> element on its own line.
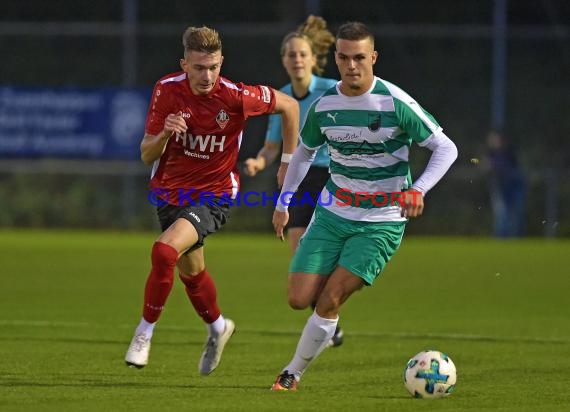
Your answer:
<point x="204" y="159"/>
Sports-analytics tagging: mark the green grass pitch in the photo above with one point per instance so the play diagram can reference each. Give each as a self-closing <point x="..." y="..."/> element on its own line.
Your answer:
<point x="69" y="302"/>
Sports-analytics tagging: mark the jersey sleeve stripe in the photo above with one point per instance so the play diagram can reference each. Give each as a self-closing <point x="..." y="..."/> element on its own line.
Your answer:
<point x="178" y="78"/>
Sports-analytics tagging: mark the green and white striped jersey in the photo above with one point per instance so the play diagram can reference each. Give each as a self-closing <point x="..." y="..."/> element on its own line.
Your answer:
<point x="369" y="138"/>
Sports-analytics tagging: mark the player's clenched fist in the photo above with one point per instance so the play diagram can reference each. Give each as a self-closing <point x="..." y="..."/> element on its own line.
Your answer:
<point x="413" y="204"/>
<point x="175" y="123"/>
<point x="252" y="165"/>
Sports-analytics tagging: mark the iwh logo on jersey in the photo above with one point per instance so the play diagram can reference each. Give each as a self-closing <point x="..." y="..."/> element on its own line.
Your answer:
<point x="202" y="143"/>
<point x="373" y="122"/>
<point x="222" y="118"/>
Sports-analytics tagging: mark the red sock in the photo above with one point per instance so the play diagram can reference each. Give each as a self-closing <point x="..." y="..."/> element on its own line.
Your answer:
<point x="202" y="293"/>
<point x="159" y="281"/>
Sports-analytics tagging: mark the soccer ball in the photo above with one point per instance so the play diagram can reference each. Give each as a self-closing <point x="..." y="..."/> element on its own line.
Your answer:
<point x="430" y="374"/>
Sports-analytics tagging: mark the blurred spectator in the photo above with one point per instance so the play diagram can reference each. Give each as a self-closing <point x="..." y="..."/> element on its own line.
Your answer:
<point x="507" y="187"/>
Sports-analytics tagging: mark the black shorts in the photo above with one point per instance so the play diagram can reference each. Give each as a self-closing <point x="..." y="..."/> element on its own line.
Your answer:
<point x="300" y="212"/>
<point x="206" y="218"/>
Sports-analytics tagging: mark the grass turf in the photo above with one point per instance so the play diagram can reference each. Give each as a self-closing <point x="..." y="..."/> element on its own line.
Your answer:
<point x="69" y="302"/>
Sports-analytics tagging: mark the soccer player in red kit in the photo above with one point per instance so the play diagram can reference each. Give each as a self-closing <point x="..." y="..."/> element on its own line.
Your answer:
<point x="193" y="133"/>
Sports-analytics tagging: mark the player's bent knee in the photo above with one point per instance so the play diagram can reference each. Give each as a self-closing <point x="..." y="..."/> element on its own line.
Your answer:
<point x="299" y="302"/>
<point x="163" y="254"/>
<point x="328" y="303"/>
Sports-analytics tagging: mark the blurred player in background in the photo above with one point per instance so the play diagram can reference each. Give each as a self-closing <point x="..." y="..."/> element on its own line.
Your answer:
<point x="368" y="125"/>
<point x="304" y="57"/>
<point x="507" y="186"/>
<point x="193" y="133"/>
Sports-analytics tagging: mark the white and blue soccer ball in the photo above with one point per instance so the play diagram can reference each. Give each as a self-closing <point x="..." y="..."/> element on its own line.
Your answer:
<point x="430" y="374"/>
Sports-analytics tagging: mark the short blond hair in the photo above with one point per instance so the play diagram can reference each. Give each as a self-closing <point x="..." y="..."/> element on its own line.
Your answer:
<point x="201" y="39"/>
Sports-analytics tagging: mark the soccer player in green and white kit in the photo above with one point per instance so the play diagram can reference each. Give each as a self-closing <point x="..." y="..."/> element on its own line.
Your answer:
<point x="304" y="57"/>
<point x="369" y="125"/>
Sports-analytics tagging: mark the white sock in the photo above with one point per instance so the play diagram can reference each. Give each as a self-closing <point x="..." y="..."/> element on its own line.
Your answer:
<point x="145" y="327"/>
<point x="314" y="339"/>
<point x="217" y="327"/>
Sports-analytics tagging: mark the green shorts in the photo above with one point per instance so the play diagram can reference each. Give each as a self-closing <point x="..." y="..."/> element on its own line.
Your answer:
<point x="364" y="248"/>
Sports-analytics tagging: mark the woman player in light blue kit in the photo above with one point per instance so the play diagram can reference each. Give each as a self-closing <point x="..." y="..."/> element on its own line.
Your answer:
<point x="304" y="56"/>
